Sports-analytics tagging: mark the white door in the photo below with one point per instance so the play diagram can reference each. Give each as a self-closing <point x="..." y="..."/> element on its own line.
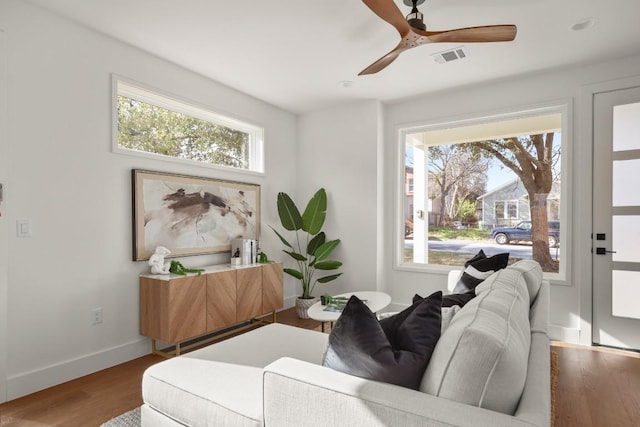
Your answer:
<point x="4" y="228"/>
<point x="616" y="218"/>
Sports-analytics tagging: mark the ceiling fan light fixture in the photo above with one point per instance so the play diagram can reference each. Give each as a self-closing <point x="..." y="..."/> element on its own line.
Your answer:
<point x="416" y="20"/>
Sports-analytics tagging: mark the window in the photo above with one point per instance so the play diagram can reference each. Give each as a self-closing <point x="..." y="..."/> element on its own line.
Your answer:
<point x="473" y="177"/>
<point x="512" y="209"/>
<point x="506" y="210"/>
<point x="149" y="123"/>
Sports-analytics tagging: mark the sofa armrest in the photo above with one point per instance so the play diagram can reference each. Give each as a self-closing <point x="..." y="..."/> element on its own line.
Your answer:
<point x="300" y="393"/>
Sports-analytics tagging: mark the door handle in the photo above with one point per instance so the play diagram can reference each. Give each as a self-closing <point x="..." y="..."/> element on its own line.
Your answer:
<point x="603" y="251"/>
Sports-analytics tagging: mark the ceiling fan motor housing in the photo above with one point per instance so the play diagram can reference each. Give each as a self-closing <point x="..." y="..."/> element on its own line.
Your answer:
<point x="415" y="19"/>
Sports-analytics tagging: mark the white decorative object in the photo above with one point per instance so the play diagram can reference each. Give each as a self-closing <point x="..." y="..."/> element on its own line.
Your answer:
<point x="156" y="261"/>
<point x="245" y="250"/>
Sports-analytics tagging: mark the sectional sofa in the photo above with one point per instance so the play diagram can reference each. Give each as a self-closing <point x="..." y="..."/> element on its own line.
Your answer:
<point x="490" y="367"/>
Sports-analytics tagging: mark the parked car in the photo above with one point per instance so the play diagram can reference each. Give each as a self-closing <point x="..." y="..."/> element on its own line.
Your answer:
<point x="522" y="232"/>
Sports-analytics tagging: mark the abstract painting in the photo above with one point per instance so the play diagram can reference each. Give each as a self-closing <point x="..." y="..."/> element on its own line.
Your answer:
<point x="191" y="215"/>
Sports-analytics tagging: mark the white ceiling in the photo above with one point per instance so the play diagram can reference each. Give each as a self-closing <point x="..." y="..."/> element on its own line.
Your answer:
<point x="294" y="53"/>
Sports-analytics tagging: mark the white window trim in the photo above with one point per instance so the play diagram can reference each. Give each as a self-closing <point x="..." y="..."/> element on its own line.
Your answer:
<point x="506" y="208"/>
<point x="139" y="91"/>
<point x="563" y="106"/>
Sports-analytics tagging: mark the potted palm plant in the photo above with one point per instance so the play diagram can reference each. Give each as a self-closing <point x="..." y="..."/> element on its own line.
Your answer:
<point x="310" y="249"/>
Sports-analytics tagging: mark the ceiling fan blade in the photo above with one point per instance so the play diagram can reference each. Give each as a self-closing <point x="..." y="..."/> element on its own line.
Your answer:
<point x="389" y="12"/>
<point x="488" y="33"/>
<point x="382" y="62"/>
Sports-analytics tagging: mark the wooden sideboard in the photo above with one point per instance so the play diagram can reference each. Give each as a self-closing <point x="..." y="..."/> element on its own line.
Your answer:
<point x="175" y="309"/>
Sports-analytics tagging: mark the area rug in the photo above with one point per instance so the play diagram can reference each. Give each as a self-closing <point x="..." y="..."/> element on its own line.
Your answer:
<point x="555" y="370"/>
<point x="128" y="419"/>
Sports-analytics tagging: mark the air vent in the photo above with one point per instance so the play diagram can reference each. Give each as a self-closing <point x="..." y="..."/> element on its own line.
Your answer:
<point x="450" y="55"/>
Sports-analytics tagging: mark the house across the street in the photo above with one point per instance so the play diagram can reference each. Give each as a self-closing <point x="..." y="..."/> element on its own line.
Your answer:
<point x="508" y="204"/>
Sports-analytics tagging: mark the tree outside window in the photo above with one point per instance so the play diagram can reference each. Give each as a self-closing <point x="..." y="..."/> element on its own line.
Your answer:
<point x="148" y="122"/>
<point x="456" y="172"/>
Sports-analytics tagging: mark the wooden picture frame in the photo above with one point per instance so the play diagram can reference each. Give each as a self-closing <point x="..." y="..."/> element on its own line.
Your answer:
<point x="191" y="215"/>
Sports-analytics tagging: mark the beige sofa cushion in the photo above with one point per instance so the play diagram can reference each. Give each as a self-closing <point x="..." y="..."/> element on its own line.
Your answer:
<point x="221" y="384"/>
<point x="482" y="357"/>
<point x="532" y="273"/>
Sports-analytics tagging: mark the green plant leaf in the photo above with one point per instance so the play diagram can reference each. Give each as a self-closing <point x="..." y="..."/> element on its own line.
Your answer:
<point x="289" y="213"/>
<point x="284" y="241"/>
<point x="296" y="256"/>
<point x="294" y="273"/>
<point x="326" y="279"/>
<point x="325" y="249"/>
<point x="315" y="213"/>
<point x="311" y="249"/>
<point x="315" y="243"/>
<point x="328" y="265"/>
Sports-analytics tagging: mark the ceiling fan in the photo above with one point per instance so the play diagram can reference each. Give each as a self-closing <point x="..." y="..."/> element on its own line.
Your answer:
<point x="414" y="33"/>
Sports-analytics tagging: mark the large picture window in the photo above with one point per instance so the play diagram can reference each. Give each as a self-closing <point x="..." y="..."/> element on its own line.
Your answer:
<point x="150" y="123"/>
<point x="494" y="184"/>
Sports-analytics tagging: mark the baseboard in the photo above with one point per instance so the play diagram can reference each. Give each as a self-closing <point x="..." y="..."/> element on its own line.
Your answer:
<point x="29" y="382"/>
<point x="289" y="302"/>
<point x="562" y="333"/>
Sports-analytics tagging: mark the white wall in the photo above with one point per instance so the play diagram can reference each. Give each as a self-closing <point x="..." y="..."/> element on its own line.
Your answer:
<point x="63" y="177"/>
<point x="570" y="319"/>
<point x="338" y="151"/>
<point x="4" y="229"/>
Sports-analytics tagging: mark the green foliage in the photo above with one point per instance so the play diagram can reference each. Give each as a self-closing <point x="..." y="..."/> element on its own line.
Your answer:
<point x="152" y="129"/>
<point x="450" y="258"/>
<point x="315" y="213"/>
<point x="176" y="267"/>
<point x="310" y="249"/>
<point x="289" y="214"/>
<point x="448" y="233"/>
<point x="263" y="259"/>
<point x="334" y="302"/>
<point x="467" y="211"/>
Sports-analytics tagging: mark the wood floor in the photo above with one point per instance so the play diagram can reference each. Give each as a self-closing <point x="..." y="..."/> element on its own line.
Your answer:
<point x="596" y="387"/>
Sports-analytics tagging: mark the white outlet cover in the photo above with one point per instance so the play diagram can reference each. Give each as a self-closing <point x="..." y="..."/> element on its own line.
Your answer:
<point x="96" y="316"/>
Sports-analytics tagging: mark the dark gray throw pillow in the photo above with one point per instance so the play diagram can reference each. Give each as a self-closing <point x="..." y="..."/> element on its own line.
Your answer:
<point x="396" y="353"/>
<point x="477" y="257"/>
<point x="478" y="269"/>
<point x="452" y="299"/>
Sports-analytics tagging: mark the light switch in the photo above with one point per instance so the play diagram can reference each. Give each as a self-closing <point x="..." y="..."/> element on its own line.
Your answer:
<point x="24" y="228"/>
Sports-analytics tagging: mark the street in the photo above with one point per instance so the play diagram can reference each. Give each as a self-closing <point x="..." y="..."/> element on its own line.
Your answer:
<point x="489" y="247"/>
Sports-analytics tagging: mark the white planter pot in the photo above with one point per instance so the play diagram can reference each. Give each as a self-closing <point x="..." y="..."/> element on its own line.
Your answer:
<point x="302" y="306"/>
